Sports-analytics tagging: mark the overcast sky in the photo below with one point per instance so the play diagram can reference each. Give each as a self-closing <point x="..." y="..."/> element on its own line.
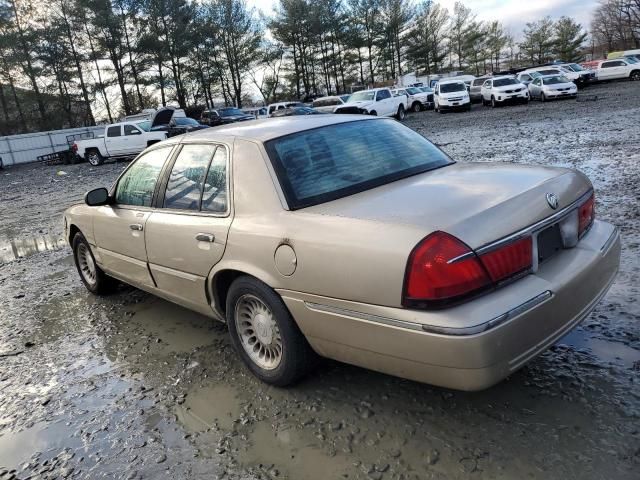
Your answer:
<point x="514" y="14"/>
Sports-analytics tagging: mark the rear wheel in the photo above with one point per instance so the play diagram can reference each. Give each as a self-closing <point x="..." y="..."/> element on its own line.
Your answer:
<point x="91" y="274"/>
<point x="265" y="335"/>
<point x="94" y="158"/>
<point x="635" y="76"/>
<point x="373" y="113"/>
<point x="401" y="114"/>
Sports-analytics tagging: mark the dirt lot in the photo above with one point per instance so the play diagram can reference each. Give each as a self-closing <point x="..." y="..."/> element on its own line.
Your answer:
<point x="130" y="386"/>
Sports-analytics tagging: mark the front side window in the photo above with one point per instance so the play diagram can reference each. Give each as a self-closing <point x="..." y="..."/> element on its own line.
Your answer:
<point x="536" y="81"/>
<point x="137" y="184"/>
<point x="184" y="188"/>
<point x="131" y="130"/>
<point x="383" y="94"/>
<point x="113" y="131"/>
<point x="326" y="163"/>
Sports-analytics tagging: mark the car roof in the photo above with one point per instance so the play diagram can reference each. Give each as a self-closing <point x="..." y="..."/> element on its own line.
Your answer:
<point x="269" y="128"/>
<point x="502" y="76"/>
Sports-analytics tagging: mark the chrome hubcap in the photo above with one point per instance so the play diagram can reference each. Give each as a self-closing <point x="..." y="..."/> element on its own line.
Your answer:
<point x="93" y="158"/>
<point x="258" y="331"/>
<point x="86" y="264"/>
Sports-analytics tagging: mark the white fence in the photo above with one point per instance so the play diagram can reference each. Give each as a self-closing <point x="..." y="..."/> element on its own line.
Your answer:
<point x="26" y="148"/>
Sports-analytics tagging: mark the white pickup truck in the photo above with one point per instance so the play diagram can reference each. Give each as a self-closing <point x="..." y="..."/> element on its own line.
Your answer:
<point x="119" y="140"/>
<point x="618" y="69"/>
<point x="378" y="101"/>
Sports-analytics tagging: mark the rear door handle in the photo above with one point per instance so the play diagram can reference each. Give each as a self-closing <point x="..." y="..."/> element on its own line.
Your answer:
<point x="136" y="226"/>
<point x="205" y="237"/>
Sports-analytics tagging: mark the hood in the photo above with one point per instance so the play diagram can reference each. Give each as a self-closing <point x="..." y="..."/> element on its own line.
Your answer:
<point x="504" y="88"/>
<point x="163" y="116"/>
<point x="559" y="85"/>
<point x="360" y="103"/>
<point x="476" y="202"/>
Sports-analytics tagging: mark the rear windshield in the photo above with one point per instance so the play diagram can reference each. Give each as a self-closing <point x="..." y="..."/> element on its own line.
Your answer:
<point x="326" y="163"/>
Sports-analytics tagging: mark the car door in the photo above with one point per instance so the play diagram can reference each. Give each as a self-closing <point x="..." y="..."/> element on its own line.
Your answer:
<point x="535" y="87"/>
<point x="383" y="98"/>
<point x="114" y="140"/>
<point x="608" y="70"/>
<point x="187" y="232"/>
<point x="119" y="228"/>
<point x="135" y="140"/>
<point x="486" y="90"/>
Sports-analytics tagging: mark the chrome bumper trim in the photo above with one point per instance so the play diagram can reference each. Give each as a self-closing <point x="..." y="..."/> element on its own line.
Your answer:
<point x="536" y="226"/>
<point x="610" y="241"/>
<point x="419" y="327"/>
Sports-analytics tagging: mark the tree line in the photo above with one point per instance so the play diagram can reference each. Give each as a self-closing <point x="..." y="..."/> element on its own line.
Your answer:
<point x="66" y="62"/>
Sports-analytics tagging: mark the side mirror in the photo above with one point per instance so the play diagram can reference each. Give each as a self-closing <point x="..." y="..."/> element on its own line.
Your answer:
<point x="97" y="197"/>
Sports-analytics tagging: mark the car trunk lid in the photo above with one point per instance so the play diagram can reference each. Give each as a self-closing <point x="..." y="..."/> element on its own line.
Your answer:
<point x="476" y="202"/>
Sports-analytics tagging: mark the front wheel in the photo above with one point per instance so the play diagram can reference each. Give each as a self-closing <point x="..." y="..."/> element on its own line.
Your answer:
<point x="91" y="274"/>
<point x="417" y="107"/>
<point x="635" y="76"/>
<point x="265" y="335"/>
<point x="400" y="114"/>
<point x="494" y="104"/>
<point x="543" y="98"/>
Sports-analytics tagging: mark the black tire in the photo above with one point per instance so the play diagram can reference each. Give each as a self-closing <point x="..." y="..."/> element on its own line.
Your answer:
<point x="634" y="76"/>
<point x="103" y="283"/>
<point x="297" y="357"/>
<point x="542" y="97"/>
<point x="94" y="157"/>
<point x="373" y="113"/>
<point x="416" y="107"/>
<point x="401" y="114"/>
<point x="152" y="142"/>
<point x="493" y="102"/>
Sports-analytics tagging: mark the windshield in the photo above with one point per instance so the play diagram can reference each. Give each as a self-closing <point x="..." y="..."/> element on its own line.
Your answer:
<point x="453" y="87"/>
<point x="413" y="91"/>
<point x="225" y="112"/>
<point x="503" y="82"/>
<point x="631" y="59"/>
<point x="185" y="121"/>
<point x="334" y="161"/>
<point x="575" y="67"/>
<point x="363" y="96"/>
<point x="426" y="89"/>
<point x="534" y="74"/>
<point x="146" y="125"/>
<point x="555" y="80"/>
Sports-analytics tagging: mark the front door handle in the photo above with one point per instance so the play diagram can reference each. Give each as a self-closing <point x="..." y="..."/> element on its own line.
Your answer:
<point x="205" y="237"/>
<point x="136" y="226"/>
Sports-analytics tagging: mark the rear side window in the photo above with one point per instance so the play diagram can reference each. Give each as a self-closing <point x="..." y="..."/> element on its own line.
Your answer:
<point x="383" y="94"/>
<point x="184" y="188"/>
<point x="138" y="183"/>
<point x="326" y="163"/>
<point x="113" y="131"/>
<point x="214" y="195"/>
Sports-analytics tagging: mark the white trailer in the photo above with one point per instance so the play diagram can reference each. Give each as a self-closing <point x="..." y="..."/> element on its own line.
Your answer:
<point x="26" y="148"/>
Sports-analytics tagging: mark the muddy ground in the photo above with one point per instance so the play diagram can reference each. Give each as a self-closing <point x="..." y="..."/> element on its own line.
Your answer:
<point x="130" y="386"/>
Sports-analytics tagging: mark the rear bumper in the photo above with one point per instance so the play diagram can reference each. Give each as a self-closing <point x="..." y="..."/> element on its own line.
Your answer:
<point x="543" y="306"/>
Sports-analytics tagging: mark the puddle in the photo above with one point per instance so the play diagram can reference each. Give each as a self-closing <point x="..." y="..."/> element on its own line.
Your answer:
<point x="292" y="454"/>
<point x="17" y="448"/>
<point x="209" y="406"/>
<point x="179" y="329"/>
<point x="612" y="352"/>
<point x="13" y="248"/>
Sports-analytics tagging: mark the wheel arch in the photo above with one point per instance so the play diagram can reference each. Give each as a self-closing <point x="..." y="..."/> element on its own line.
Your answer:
<point x="221" y="279"/>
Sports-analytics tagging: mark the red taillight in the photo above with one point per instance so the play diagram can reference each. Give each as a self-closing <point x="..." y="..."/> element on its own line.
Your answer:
<point x="442" y="269"/>
<point x="508" y="260"/>
<point x="432" y="277"/>
<point x="74" y="147"/>
<point x="586" y="214"/>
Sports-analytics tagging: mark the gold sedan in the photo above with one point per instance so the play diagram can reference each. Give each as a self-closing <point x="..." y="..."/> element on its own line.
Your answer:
<point x="352" y="238"/>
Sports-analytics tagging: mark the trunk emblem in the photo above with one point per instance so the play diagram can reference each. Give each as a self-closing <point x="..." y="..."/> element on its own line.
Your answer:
<point x="552" y="200"/>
